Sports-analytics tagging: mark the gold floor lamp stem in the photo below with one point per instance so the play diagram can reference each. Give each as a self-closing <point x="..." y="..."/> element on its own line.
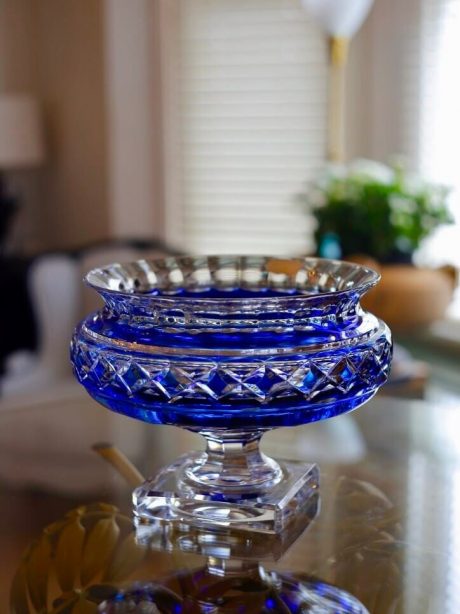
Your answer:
<point x="338" y="61"/>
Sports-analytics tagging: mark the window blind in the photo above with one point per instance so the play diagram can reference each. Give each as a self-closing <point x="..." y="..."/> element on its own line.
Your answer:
<point x="440" y="89"/>
<point x="439" y="116"/>
<point x="252" y="123"/>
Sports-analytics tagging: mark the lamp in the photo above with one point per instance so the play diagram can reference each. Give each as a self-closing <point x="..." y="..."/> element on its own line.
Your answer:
<point x="341" y="19"/>
<point x="21" y="146"/>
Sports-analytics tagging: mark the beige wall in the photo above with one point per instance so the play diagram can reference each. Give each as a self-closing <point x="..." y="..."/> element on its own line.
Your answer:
<point x="18" y="74"/>
<point x="378" y="87"/>
<point x="134" y="133"/>
<point x="359" y="85"/>
<point x="53" y="49"/>
<point x="71" y="85"/>
<point x="17" y="41"/>
<point x="91" y="64"/>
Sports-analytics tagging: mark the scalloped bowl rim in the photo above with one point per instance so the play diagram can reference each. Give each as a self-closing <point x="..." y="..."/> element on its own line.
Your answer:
<point x="370" y="279"/>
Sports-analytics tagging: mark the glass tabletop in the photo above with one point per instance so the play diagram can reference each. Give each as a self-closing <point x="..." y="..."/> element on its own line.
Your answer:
<point x="387" y="531"/>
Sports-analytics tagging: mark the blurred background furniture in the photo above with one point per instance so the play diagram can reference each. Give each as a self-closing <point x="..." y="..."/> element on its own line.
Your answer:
<point x="42" y="379"/>
<point x="21" y="147"/>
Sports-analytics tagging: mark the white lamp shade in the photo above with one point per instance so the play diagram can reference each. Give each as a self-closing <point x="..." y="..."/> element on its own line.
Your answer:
<point x="339" y="18"/>
<point x="21" y="132"/>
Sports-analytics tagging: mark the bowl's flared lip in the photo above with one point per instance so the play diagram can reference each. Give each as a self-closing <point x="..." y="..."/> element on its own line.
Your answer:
<point x="94" y="279"/>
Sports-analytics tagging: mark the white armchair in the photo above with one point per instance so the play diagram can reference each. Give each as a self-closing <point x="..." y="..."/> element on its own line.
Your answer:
<point x="56" y="296"/>
<point x="46" y="438"/>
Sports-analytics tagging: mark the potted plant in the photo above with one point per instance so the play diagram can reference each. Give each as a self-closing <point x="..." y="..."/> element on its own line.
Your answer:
<point x="376" y="210"/>
<point x="378" y="214"/>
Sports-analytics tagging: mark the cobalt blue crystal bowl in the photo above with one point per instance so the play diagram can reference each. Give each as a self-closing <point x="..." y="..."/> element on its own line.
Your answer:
<point x="231" y="346"/>
<point x="232" y="342"/>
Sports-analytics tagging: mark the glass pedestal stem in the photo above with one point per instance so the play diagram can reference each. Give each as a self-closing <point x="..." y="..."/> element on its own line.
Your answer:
<point x="233" y="464"/>
<point x="230" y="485"/>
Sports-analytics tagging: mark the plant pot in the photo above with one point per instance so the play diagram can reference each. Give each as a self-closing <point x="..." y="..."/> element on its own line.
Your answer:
<point x="409" y="297"/>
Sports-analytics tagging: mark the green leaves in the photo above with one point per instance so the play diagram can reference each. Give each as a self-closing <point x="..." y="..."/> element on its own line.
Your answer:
<point x="380" y="217"/>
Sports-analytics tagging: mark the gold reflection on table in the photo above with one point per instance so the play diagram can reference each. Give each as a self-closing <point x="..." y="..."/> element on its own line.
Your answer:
<point x="81" y="561"/>
<point x="388" y="532"/>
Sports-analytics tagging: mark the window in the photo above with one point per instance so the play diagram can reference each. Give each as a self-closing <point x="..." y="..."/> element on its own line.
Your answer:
<point x="251" y="107"/>
<point x="439" y="122"/>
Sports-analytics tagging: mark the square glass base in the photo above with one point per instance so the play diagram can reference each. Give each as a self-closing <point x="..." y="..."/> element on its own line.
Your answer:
<point x="293" y="499"/>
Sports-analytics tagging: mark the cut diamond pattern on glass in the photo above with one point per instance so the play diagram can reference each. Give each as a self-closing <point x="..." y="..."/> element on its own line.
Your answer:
<point x="260" y="382"/>
<point x="102" y="370"/>
<point x="132" y="377"/>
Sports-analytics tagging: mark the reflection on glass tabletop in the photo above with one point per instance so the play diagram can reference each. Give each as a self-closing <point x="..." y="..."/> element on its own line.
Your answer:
<point x="386" y="538"/>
